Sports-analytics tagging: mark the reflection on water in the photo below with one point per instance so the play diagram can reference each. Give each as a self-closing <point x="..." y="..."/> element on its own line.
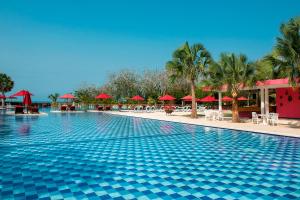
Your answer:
<point x="166" y="128"/>
<point x="25" y="129"/>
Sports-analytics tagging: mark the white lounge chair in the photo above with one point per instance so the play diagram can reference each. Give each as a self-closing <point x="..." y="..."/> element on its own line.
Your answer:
<point x="255" y="118"/>
<point x="208" y="115"/>
<point x="149" y="109"/>
<point x="272" y="118"/>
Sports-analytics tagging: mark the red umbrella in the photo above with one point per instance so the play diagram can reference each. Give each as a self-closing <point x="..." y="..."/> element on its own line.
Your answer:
<point x="27" y="99"/>
<point x="2" y="96"/>
<point x="67" y="96"/>
<point x="103" y="96"/>
<point x="166" y="98"/>
<point x="226" y="98"/>
<point x="242" y="99"/>
<point x="21" y="93"/>
<point x="208" y="99"/>
<point x="189" y="98"/>
<point x="137" y="98"/>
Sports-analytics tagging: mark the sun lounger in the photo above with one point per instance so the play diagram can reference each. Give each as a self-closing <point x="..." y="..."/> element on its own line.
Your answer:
<point x="115" y="107"/>
<point x="34" y="110"/>
<point x="100" y="108"/>
<point x="19" y="110"/>
<point x="72" y="108"/>
<point x="63" y="108"/>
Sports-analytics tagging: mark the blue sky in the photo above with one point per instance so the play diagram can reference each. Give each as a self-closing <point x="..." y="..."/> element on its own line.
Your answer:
<point x="56" y="46"/>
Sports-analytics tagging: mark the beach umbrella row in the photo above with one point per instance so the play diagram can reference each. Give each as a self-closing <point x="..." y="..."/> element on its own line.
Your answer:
<point x="139" y="98"/>
<point x="212" y="99"/>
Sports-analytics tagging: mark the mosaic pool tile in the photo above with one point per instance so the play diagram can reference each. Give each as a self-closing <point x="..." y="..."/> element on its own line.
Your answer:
<point x="92" y="156"/>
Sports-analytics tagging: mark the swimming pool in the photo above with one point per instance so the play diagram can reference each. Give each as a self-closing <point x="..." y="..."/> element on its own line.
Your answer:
<point x="94" y="155"/>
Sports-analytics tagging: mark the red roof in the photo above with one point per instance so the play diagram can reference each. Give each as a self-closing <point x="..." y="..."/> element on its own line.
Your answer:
<point x="137" y="98"/>
<point x="67" y="96"/>
<point x="103" y="96"/>
<point x="274" y="82"/>
<point x="166" y="98"/>
<point x="282" y="81"/>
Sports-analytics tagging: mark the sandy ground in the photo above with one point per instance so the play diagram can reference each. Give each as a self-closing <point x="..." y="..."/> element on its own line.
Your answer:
<point x="285" y="127"/>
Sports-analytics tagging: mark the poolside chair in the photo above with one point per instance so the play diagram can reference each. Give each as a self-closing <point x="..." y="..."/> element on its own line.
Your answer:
<point x="72" y="108"/>
<point x="208" y="115"/>
<point x="115" y="107"/>
<point x="100" y="108"/>
<point x="272" y="118"/>
<point x="148" y="109"/>
<point x="136" y="109"/>
<point x="161" y="109"/>
<point x="200" y="108"/>
<point x="169" y="109"/>
<point x="34" y="110"/>
<point x="19" y="110"/>
<point x="124" y="107"/>
<point x="63" y="108"/>
<point x="220" y="116"/>
<point x="153" y="109"/>
<point x="107" y="108"/>
<point x="255" y="118"/>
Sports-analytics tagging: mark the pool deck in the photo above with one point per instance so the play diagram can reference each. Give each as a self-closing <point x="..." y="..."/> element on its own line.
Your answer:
<point x="285" y="128"/>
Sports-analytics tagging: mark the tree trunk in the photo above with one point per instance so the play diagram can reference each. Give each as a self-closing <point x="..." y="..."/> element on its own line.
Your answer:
<point x="194" y="109"/>
<point x="235" y="108"/>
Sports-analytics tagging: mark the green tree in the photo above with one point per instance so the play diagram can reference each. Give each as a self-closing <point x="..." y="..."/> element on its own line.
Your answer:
<point x="86" y="94"/>
<point x="285" y="57"/>
<point x="264" y="70"/>
<point x="234" y="71"/>
<point x="53" y="97"/>
<point x="189" y="62"/>
<point x="6" y="84"/>
<point x="124" y="84"/>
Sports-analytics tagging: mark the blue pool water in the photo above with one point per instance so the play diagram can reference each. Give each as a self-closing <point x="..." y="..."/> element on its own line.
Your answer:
<point x="102" y="156"/>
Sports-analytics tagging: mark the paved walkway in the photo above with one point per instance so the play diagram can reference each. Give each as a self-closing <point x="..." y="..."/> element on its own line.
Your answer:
<point x="285" y="127"/>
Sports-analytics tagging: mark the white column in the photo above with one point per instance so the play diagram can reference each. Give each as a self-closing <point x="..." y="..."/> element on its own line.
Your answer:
<point x="266" y="101"/>
<point x="262" y="101"/>
<point x="220" y="101"/>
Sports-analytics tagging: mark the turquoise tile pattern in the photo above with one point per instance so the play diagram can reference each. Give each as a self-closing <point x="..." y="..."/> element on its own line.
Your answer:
<point x="102" y="156"/>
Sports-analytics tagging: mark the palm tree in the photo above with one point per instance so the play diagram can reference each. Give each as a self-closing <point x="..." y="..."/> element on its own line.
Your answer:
<point x="189" y="62"/>
<point x="234" y="71"/>
<point x="6" y="84"/>
<point x="285" y="57"/>
<point x="53" y="97"/>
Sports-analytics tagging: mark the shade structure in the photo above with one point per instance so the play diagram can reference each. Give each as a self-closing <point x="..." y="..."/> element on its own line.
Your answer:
<point x="226" y="98"/>
<point x="103" y="96"/>
<point x="137" y="98"/>
<point x="208" y="99"/>
<point x="2" y="96"/>
<point x="67" y="96"/>
<point x="21" y="93"/>
<point x="27" y="99"/>
<point x="189" y="98"/>
<point x="166" y="98"/>
<point x="242" y="99"/>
